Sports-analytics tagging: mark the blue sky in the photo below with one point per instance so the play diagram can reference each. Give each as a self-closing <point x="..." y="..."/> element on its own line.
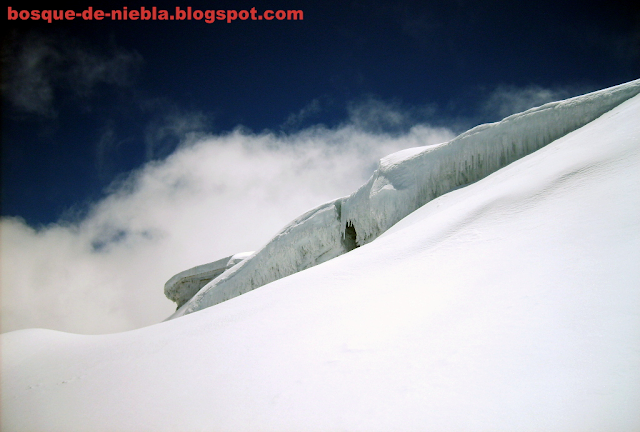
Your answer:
<point x="86" y="102"/>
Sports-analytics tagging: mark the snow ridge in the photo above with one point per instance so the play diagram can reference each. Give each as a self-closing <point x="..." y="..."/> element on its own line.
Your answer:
<point x="403" y="182"/>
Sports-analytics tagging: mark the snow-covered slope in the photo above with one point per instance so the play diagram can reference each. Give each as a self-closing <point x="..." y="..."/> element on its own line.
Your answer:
<point x="508" y="305"/>
<point x="402" y="183"/>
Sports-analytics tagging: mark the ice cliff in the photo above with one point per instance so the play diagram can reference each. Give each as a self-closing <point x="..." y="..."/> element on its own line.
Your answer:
<point x="403" y="182"/>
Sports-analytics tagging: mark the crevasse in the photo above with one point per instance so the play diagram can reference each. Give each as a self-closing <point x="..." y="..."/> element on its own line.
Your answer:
<point x="403" y="182"/>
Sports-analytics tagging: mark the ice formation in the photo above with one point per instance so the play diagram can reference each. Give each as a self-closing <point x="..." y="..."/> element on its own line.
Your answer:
<point x="182" y="286"/>
<point x="403" y="182"/>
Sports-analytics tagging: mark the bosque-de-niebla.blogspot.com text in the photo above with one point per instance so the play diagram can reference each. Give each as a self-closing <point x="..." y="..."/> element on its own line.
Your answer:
<point x="154" y="14"/>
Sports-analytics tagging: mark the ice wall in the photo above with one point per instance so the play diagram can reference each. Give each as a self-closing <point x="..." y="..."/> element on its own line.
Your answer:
<point x="403" y="182"/>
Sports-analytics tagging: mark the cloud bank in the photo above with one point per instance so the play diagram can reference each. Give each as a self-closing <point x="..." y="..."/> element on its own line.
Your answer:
<point x="214" y="196"/>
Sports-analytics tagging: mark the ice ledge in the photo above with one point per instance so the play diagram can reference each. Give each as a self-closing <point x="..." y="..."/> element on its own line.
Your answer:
<point x="403" y="182"/>
<point x="184" y="285"/>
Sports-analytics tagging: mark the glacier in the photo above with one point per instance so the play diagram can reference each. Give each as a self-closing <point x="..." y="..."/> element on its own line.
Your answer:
<point x="402" y="183"/>
<point x="510" y="304"/>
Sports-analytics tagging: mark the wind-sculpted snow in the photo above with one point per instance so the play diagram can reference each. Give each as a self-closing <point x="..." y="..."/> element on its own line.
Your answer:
<point x="182" y="286"/>
<point x="309" y="240"/>
<point x="404" y="182"/>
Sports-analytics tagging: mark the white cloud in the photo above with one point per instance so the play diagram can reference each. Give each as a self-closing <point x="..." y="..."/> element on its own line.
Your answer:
<point x="106" y="144"/>
<point x="36" y="67"/>
<point x="214" y="196"/>
<point x="505" y="100"/>
<point x="26" y="82"/>
<point x="164" y="133"/>
<point x="309" y="110"/>
<point x="375" y="115"/>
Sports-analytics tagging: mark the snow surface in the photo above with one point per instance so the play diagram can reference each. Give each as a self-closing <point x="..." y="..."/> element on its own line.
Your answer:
<point x="403" y="182"/>
<point x="507" y="305"/>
